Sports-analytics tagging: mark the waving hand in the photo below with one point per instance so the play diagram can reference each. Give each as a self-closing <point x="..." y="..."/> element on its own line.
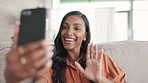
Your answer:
<point x="93" y="70"/>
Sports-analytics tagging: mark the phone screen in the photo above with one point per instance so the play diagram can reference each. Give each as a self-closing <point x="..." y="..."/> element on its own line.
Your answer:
<point x="33" y="25"/>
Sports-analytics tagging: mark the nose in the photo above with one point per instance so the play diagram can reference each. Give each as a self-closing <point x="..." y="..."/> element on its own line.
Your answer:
<point x="70" y="31"/>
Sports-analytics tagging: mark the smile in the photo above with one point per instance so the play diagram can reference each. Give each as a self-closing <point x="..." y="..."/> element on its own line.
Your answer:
<point x="69" y="39"/>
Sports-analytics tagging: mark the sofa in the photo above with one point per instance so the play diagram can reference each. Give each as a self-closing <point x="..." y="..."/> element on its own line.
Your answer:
<point x="130" y="55"/>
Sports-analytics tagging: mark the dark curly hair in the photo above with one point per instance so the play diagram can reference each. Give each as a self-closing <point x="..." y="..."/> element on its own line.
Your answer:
<point x="59" y="65"/>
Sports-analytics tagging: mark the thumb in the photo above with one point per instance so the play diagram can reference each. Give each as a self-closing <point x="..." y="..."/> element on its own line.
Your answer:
<point x="15" y="40"/>
<point x="79" y="67"/>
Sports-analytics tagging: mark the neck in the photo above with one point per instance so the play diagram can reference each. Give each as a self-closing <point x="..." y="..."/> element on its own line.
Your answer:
<point x="73" y="56"/>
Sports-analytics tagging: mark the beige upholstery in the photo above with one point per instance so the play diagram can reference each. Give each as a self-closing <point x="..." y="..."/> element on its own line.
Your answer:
<point x="131" y="56"/>
<point x="4" y="48"/>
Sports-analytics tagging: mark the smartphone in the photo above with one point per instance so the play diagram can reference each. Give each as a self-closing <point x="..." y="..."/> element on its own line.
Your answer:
<point x="33" y="25"/>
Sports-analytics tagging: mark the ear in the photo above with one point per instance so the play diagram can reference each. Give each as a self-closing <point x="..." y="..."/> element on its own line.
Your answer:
<point x="85" y="37"/>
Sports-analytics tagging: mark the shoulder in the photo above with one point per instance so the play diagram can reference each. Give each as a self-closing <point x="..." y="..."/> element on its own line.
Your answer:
<point x="111" y="70"/>
<point x="45" y="77"/>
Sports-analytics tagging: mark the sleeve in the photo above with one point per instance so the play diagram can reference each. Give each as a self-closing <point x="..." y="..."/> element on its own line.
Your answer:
<point x="47" y="76"/>
<point x="112" y="71"/>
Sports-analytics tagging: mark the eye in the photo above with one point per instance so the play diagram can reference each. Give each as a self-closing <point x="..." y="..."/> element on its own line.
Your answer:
<point x="77" y="28"/>
<point x="65" y="27"/>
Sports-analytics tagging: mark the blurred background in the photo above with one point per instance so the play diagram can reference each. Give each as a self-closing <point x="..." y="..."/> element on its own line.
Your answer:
<point x="110" y="20"/>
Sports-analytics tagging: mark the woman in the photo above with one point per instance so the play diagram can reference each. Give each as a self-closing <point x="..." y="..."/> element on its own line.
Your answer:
<point x="76" y="60"/>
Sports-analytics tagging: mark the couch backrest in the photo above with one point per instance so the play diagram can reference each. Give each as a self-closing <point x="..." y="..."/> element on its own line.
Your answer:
<point x="131" y="56"/>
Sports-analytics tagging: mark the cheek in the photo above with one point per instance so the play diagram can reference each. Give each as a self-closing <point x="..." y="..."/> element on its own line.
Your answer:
<point x="62" y="33"/>
<point x="80" y="37"/>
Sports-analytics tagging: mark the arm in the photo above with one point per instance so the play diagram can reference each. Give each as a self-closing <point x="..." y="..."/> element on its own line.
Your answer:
<point x="112" y="71"/>
<point x="27" y="61"/>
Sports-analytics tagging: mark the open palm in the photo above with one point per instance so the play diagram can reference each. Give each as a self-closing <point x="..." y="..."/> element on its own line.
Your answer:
<point x="93" y="70"/>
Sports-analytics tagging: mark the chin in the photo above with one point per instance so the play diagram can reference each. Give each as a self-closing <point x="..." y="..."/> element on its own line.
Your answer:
<point x="68" y="47"/>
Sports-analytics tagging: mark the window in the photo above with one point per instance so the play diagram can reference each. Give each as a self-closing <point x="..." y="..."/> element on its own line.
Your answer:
<point x="122" y="25"/>
<point x="140" y="20"/>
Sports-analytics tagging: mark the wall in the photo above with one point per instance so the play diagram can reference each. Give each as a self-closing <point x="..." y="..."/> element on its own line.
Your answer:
<point x="10" y="13"/>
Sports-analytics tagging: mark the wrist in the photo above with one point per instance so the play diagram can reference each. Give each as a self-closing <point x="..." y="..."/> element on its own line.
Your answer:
<point x="9" y="78"/>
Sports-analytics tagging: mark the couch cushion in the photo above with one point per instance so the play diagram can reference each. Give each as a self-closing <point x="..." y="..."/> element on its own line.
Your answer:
<point x="131" y="56"/>
<point x="4" y="48"/>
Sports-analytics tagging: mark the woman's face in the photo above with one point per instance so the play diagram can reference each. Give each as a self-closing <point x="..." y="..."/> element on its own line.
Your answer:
<point x="73" y="32"/>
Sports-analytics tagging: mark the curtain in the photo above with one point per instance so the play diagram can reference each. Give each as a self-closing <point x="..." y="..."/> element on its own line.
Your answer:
<point x="104" y="25"/>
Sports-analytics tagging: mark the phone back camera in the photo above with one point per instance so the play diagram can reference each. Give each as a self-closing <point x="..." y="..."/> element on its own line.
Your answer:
<point x="27" y="13"/>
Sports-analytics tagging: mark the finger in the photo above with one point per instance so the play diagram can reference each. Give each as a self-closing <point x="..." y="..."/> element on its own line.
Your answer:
<point x="21" y="50"/>
<point x="50" y="54"/>
<point x="34" y="66"/>
<point x="79" y="67"/>
<point x="101" y="62"/>
<point x="15" y="38"/>
<point x="32" y="71"/>
<point x="49" y="63"/>
<point x="92" y="52"/>
<point x="88" y="52"/>
<point x="38" y="53"/>
<point x="100" y="54"/>
<point x="27" y="72"/>
<point x="45" y="68"/>
<point x="37" y="72"/>
<point x="37" y="58"/>
<point x="34" y="46"/>
<point x="40" y="63"/>
<point x="96" y="52"/>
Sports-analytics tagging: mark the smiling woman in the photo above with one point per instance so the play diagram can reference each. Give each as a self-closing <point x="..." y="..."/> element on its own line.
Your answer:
<point x="76" y="60"/>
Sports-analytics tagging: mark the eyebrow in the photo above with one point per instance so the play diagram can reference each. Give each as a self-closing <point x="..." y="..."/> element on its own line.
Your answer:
<point x="73" y="24"/>
<point x="77" y="24"/>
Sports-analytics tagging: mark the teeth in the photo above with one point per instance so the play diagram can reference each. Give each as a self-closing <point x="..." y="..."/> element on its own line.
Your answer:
<point x="68" y="39"/>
